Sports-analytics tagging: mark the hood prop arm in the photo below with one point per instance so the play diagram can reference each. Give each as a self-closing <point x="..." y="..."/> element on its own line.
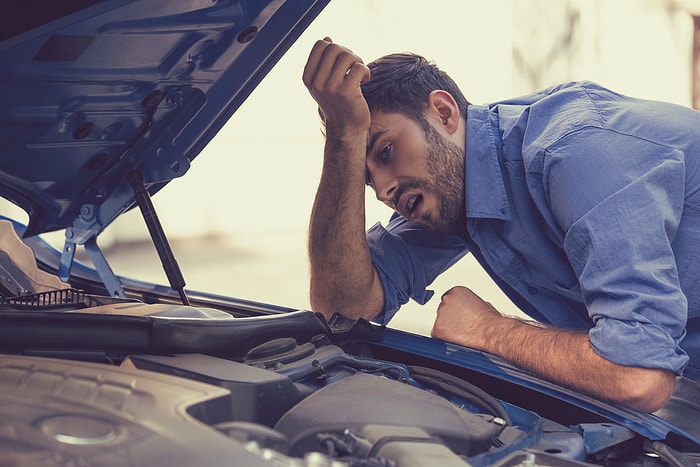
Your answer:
<point x="167" y="258"/>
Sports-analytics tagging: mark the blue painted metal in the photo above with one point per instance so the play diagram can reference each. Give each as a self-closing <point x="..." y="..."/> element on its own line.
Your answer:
<point x="645" y="424"/>
<point x="599" y="436"/>
<point x="123" y="85"/>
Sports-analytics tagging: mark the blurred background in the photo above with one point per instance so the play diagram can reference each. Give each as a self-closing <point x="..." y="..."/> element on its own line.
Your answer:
<point x="238" y="220"/>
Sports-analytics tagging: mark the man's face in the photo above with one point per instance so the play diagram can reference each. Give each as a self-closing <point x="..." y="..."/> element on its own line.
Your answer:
<point x="417" y="172"/>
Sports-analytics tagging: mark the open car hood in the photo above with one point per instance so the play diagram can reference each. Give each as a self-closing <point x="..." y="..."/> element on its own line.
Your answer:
<point x="94" y="92"/>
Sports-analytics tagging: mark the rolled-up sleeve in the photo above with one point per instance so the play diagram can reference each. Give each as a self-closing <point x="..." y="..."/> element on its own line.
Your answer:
<point x="619" y="204"/>
<point x="408" y="259"/>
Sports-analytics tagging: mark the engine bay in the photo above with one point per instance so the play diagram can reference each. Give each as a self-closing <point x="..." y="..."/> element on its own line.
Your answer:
<point x="115" y="383"/>
<point x="287" y="402"/>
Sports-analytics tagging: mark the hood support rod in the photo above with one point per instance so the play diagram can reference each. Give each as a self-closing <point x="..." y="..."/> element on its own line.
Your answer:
<point x="167" y="258"/>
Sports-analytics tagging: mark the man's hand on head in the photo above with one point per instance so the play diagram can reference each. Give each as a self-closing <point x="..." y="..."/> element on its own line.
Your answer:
<point x="333" y="75"/>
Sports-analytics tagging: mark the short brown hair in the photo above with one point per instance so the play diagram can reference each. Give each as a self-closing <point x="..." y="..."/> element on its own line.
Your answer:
<point x="402" y="83"/>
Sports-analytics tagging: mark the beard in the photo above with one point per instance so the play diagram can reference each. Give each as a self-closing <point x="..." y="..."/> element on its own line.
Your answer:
<point x="446" y="166"/>
<point x="444" y="179"/>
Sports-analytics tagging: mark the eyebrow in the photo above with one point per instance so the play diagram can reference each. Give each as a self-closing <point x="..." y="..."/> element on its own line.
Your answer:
<point x="373" y="140"/>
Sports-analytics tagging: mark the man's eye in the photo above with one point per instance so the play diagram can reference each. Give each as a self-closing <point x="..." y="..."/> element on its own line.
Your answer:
<point x="385" y="152"/>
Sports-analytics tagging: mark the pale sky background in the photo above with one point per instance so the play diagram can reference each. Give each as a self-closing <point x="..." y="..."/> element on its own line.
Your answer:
<point x="252" y="188"/>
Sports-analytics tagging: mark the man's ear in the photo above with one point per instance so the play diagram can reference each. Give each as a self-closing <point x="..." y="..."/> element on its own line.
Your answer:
<point x="443" y="108"/>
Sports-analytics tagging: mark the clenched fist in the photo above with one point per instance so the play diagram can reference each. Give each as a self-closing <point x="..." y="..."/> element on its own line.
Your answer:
<point x="464" y="318"/>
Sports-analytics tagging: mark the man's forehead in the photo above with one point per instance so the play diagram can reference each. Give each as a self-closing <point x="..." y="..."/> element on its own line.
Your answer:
<point x="382" y="122"/>
<point x="379" y="118"/>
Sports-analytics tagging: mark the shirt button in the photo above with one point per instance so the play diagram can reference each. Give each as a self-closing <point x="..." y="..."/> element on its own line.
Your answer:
<point x="532" y="290"/>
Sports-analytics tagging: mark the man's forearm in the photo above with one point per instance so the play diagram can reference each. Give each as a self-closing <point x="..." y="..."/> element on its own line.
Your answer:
<point x="343" y="278"/>
<point x="567" y="357"/>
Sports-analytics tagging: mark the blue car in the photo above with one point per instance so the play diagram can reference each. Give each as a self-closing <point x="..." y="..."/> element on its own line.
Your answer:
<point x="103" y="103"/>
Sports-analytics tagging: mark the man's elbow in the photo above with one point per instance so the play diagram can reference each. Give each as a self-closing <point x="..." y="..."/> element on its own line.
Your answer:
<point x="647" y="390"/>
<point x="359" y="298"/>
<point x="324" y="304"/>
<point x="350" y="307"/>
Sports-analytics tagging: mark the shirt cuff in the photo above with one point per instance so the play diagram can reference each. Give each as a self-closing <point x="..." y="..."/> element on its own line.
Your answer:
<point x="394" y="294"/>
<point x="632" y="343"/>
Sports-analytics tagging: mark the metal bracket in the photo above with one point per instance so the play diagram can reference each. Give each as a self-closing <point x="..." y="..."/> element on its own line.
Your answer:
<point x="114" y="287"/>
<point x="109" y="279"/>
<point x="67" y="255"/>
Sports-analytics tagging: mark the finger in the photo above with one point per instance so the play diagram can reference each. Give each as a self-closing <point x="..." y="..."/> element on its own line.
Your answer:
<point x="348" y="69"/>
<point x="315" y="62"/>
<point x="448" y="293"/>
<point x="357" y="74"/>
<point x="332" y="67"/>
<point x="436" y="331"/>
<point x="441" y="307"/>
<point x="312" y="63"/>
<point x="321" y="61"/>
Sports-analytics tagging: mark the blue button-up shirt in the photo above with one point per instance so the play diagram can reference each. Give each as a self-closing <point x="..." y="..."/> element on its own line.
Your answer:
<point x="584" y="206"/>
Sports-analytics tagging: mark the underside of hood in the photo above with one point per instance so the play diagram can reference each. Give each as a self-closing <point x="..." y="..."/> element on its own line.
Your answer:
<point x="95" y="93"/>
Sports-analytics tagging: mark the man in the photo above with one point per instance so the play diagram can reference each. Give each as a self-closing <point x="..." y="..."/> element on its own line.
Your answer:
<point x="582" y="204"/>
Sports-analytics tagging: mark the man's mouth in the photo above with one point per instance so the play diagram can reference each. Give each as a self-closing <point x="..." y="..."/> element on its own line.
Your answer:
<point x="410" y="207"/>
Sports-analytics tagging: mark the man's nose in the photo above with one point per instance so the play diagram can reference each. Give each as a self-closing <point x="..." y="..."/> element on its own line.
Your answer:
<point x="385" y="187"/>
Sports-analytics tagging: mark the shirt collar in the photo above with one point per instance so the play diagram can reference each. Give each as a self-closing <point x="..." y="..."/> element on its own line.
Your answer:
<point x="485" y="191"/>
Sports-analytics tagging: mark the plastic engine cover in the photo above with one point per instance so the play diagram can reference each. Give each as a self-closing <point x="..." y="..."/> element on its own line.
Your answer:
<point x="344" y="405"/>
